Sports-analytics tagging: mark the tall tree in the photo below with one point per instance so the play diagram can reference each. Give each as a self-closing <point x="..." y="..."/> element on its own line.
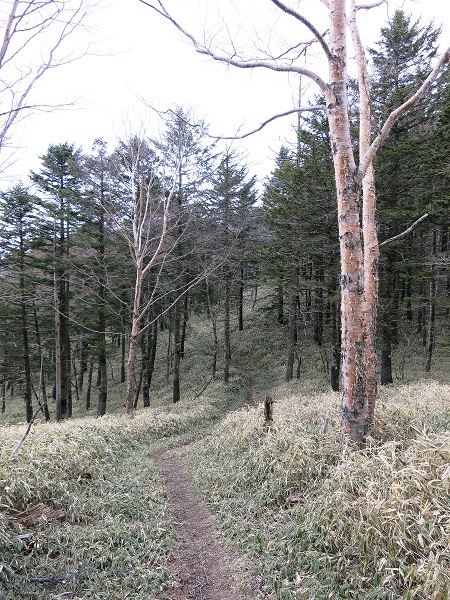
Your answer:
<point x="401" y="60"/>
<point x="141" y="214"/>
<point x="187" y="160"/>
<point x="355" y="185"/>
<point x="60" y="180"/>
<point x="19" y="228"/>
<point x="230" y="210"/>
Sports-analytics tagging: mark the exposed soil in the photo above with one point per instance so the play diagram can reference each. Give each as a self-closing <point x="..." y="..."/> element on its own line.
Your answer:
<point x="203" y="568"/>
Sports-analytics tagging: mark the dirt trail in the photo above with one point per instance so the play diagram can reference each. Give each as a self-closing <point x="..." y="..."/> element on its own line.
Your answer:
<point x="203" y="568"/>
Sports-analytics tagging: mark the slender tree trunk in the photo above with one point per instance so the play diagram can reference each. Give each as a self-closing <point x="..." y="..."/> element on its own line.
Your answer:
<point x="25" y="339"/>
<point x="292" y="328"/>
<point x="75" y="374"/>
<point x="103" y="387"/>
<point x="431" y="321"/>
<point x="89" y="383"/>
<point x="241" y="302"/>
<point x="335" y="347"/>
<point x="57" y="388"/>
<point x="133" y="345"/>
<point x="82" y="365"/>
<point x="185" y="322"/>
<point x="226" y="327"/>
<point x="152" y="341"/>
<point x="280" y="305"/>
<point x="122" y="357"/>
<point x="213" y="316"/>
<point x="41" y="360"/>
<point x="176" y="351"/>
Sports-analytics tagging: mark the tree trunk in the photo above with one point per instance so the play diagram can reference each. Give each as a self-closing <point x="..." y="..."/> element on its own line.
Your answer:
<point x="431" y="321"/>
<point x="103" y="387"/>
<point x="149" y="365"/>
<point x="89" y="384"/>
<point x="176" y="351"/>
<point x="226" y="327"/>
<point x="292" y="329"/>
<point x="25" y="339"/>
<point x="280" y="305"/>
<point x="185" y="322"/>
<point x="359" y="261"/>
<point x="336" y="347"/>
<point x="133" y="345"/>
<point x="241" y="302"/>
<point x="213" y="316"/>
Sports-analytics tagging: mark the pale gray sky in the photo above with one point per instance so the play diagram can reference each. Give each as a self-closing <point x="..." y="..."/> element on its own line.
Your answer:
<point x="142" y="56"/>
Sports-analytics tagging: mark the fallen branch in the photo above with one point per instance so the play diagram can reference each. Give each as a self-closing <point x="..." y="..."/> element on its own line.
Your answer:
<point x="203" y="389"/>
<point x="25" y="435"/>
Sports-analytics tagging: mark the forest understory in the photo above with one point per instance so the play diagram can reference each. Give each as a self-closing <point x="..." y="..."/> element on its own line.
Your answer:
<point x="284" y="511"/>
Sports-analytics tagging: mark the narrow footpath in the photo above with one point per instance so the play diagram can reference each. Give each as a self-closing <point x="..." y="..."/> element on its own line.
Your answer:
<point x="203" y="569"/>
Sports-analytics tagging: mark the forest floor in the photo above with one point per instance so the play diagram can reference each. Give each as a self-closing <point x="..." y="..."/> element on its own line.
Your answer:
<point x="203" y="568"/>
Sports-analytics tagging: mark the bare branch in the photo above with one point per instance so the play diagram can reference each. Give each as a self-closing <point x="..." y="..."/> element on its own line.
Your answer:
<point x="273" y="118"/>
<point x="36" y="28"/>
<point x="399" y="112"/>
<point x="242" y="64"/>
<point x="307" y="24"/>
<point x="371" y="5"/>
<point x="405" y="233"/>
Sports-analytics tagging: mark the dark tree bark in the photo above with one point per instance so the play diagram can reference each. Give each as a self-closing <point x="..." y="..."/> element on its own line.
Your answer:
<point x="89" y="383"/>
<point x="176" y="351"/>
<point x="241" y="301"/>
<point x="41" y="366"/>
<point x="430" y="330"/>
<point x="226" y="326"/>
<point x="335" y="347"/>
<point x="280" y="305"/>
<point x="292" y="327"/>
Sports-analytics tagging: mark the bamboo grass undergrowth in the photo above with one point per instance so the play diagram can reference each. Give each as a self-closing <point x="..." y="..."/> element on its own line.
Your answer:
<point x="319" y="521"/>
<point x="114" y="541"/>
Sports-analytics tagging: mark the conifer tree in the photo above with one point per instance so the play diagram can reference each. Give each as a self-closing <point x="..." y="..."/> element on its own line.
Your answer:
<point x="60" y="182"/>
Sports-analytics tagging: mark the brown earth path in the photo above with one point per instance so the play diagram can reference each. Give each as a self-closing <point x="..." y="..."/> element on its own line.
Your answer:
<point x="203" y="567"/>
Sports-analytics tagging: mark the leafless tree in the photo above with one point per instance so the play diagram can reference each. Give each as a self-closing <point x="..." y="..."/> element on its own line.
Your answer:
<point x="356" y="197"/>
<point x="141" y="215"/>
<point x="33" y="41"/>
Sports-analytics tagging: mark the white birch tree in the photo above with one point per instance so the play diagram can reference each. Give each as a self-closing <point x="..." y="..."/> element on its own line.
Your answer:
<point x="141" y="215"/>
<point x="354" y="177"/>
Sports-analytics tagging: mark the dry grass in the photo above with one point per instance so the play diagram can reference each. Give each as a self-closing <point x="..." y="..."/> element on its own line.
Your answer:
<point x="114" y="540"/>
<point x="323" y="522"/>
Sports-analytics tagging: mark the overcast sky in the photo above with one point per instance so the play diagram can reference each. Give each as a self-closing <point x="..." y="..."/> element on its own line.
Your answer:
<point x="137" y="55"/>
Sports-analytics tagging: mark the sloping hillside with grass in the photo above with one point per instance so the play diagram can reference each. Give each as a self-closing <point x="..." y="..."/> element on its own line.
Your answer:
<point x="319" y="521"/>
<point x="84" y="507"/>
